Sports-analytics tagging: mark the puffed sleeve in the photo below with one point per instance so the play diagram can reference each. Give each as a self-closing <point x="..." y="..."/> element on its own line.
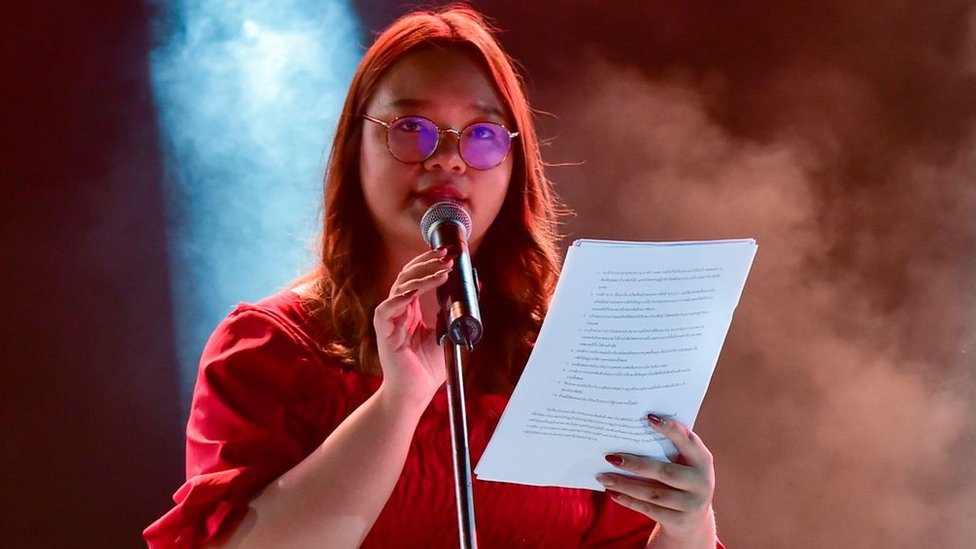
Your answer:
<point x="251" y="420"/>
<point x="617" y="527"/>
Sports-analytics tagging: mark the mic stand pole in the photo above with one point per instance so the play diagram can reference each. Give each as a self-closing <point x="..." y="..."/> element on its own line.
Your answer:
<point x="463" y="493"/>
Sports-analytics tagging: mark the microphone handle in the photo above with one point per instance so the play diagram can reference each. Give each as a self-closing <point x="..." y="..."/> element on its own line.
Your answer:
<point x="458" y="297"/>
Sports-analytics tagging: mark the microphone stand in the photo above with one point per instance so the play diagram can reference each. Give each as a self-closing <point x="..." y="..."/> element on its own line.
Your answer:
<point x="447" y="225"/>
<point x="463" y="493"/>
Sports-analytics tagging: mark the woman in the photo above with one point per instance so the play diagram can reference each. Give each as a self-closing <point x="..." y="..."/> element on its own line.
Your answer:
<point x="319" y="417"/>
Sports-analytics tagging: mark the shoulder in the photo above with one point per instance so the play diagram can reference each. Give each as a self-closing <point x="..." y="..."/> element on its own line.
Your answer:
<point x="274" y="340"/>
<point x="263" y="366"/>
<point x="280" y="322"/>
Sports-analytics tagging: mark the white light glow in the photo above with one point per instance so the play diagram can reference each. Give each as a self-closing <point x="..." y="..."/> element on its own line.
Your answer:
<point x="247" y="96"/>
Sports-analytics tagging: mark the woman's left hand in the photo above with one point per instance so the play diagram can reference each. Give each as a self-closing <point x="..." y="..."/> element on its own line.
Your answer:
<point x="678" y="496"/>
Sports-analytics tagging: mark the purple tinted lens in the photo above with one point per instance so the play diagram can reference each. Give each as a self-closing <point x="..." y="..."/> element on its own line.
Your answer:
<point x="412" y="139"/>
<point x="485" y="145"/>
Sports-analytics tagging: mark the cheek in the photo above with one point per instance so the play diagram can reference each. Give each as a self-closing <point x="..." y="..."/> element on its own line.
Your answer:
<point x="370" y="163"/>
<point x="372" y="174"/>
<point x="378" y="170"/>
<point x="495" y="190"/>
<point x="503" y="183"/>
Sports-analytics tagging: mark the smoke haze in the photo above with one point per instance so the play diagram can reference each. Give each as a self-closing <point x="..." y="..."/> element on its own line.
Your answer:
<point x="248" y="95"/>
<point x="841" y="412"/>
<point x="842" y="135"/>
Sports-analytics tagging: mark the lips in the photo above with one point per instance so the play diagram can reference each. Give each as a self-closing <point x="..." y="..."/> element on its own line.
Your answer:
<point x="438" y="193"/>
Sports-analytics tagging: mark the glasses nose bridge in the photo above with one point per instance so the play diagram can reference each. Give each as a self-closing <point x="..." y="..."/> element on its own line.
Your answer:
<point x="438" y="146"/>
<point x="455" y="131"/>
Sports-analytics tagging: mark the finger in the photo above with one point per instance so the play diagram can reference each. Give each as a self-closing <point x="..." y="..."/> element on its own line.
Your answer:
<point x="396" y="302"/>
<point x="688" y="444"/>
<point x="651" y="492"/>
<point x="390" y="309"/>
<point x="439" y="252"/>
<point x="659" y="514"/>
<point x="420" y="271"/>
<point x="426" y="260"/>
<point x="424" y="284"/>
<point x="396" y="305"/>
<point x="675" y="475"/>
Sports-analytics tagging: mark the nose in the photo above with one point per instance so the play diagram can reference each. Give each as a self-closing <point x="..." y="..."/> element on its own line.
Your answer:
<point x="447" y="155"/>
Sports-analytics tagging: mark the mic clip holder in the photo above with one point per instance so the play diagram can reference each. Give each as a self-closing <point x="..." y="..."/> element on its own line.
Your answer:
<point x="464" y="330"/>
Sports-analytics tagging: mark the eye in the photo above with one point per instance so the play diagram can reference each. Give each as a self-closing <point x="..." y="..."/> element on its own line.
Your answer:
<point x="411" y="125"/>
<point x="486" y="131"/>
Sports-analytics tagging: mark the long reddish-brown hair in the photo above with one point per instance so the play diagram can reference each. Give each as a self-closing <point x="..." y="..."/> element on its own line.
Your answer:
<point x="517" y="259"/>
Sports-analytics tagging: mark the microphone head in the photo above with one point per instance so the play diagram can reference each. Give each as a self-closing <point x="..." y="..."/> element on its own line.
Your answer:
<point x="444" y="211"/>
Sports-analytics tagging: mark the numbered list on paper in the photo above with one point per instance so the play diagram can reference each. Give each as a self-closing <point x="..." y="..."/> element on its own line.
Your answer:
<point x="631" y="330"/>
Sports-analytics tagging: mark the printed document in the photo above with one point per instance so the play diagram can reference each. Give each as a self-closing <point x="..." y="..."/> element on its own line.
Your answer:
<point x="632" y="328"/>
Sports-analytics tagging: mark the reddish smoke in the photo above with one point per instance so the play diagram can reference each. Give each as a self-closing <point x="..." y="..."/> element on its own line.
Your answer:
<point x="842" y="135"/>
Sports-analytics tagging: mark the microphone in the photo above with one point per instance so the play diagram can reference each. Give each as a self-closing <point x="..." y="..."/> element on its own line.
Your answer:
<point x="447" y="225"/>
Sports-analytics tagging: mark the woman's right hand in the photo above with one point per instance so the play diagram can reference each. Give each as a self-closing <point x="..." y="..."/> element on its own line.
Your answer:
<point x="412" y="361"/>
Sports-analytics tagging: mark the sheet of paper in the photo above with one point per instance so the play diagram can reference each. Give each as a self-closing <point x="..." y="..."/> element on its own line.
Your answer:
<point x="633" y="327"/>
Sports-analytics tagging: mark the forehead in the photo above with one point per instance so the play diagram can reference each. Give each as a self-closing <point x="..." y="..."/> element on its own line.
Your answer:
<point x="441" y="78"/>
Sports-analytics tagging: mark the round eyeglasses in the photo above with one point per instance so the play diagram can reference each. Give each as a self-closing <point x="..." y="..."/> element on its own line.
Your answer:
<point x="413" y="139"/>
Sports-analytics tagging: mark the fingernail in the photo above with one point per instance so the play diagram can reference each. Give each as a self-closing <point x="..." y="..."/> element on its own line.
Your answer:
<point x="656" y="420"/>
<point x="605" y="480"/>
<point x="614" y="459"/>
<point x="613" y="495"/>
<point x="409" y="293"/>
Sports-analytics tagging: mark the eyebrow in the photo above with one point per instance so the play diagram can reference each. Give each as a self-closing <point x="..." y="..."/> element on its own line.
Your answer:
<point x="483" y="107"/>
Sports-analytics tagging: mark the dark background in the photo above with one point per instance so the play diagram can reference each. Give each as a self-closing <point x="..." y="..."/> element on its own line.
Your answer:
<point x="840" y="134"/>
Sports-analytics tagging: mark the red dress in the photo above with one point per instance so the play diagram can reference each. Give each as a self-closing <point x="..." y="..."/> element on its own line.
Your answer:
<point x="267" y="396"/>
